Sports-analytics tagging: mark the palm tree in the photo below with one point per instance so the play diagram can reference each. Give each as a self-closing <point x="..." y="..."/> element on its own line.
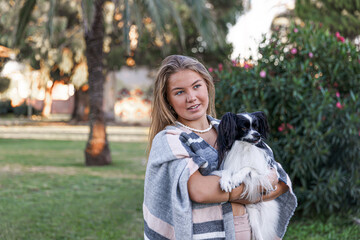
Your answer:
<point x="162" y="12"/>
<point x="97" y="151"/>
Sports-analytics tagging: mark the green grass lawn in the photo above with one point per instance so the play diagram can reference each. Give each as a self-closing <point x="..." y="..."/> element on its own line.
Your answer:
<point x="334" y="228"/>
<point x="46" y="192"/>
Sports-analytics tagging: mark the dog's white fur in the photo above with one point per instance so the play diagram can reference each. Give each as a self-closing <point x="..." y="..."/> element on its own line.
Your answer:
<point x="248" y="164"/>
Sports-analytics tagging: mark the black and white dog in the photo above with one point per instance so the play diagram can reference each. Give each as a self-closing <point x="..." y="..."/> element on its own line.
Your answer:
<point x="246" y="158"/>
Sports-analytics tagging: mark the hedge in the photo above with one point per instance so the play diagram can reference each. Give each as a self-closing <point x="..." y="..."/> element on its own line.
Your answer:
<point x="308" y="84"/>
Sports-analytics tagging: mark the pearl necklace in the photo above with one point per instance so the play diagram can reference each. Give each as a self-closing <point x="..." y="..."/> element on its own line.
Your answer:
<point x="195" y="130"/>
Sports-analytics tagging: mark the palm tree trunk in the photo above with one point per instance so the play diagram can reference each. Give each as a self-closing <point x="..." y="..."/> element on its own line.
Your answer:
<point x="97" y="151"/>
<point x="81" y="110"/>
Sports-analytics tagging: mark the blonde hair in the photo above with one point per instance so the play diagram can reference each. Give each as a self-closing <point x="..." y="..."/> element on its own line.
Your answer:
<point x="161" y="114"/>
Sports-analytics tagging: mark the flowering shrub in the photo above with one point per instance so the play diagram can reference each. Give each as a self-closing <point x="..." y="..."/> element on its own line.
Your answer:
<point x="308" y="84"/>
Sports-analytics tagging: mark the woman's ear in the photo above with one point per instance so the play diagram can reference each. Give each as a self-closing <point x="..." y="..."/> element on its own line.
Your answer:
<point x="227" y="133"/>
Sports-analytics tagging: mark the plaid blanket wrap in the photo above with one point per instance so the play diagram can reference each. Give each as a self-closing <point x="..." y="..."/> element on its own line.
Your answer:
<point x="167" y="209"/>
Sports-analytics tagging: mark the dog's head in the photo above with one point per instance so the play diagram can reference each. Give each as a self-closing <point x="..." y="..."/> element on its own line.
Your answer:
<point x="248" y="127"/>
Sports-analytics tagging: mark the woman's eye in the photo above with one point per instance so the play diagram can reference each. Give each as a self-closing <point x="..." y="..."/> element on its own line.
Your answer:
<point x="197" y="86"/>
<point x="179" y="92"/>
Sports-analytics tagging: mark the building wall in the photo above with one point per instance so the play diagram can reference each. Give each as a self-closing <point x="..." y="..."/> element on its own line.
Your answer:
<point x="127" y="93"/>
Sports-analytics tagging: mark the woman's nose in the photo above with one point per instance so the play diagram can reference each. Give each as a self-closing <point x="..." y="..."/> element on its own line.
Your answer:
<point x="191" y="97"/>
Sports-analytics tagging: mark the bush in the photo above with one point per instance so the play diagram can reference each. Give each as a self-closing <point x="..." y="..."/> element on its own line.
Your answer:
<point x="308" y="84"/>
<point x="5" y="106"/>
<point x="23" y="110"/>
<point x="4" y="84"/>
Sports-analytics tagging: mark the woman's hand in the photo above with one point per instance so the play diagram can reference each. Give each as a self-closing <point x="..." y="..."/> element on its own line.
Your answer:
<point x="235" y="196"/>
<point x="273" y="177"/>
<point x="280" y="188"/>
<point x="236" y="193"/>
<point x="206" y="189"/>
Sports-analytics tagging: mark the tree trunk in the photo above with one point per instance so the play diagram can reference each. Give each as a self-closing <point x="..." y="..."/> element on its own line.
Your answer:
<point x="46" y="111"/>
<point x="81" y="106"/>
<point x="97" y="152"/>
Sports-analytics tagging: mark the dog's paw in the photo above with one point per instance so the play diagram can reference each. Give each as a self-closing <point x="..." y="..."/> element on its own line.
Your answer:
<point x="236" y="182"/>
<point x="226" y="185"/>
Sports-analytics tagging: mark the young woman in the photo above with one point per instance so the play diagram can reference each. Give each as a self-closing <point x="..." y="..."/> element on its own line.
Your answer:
<point x="182" y="200"/>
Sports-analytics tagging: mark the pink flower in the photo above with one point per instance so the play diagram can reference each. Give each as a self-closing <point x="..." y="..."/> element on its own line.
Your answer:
<point x="311" y="55"/>
<point x="262" y="74"/>
<point x="293" y="51"/>
<point x="234" y="63"/>
<point x="246" y="66"/>
<point x="341" y="39"/>
<point x="295" y="30"/>
<point x="220" y="67"/>
<point x="338" y="105"/>
<point x="284" y="127"/>
<point x="281" y="128"/>
<point x="337" y="94"/>
<point x="211" y="69"/>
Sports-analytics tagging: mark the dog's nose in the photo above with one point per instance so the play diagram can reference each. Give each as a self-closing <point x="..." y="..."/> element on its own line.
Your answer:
<point x="256" y="135"/>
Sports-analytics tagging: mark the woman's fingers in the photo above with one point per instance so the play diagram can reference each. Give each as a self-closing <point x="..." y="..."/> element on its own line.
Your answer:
<point x="273" y="177"/>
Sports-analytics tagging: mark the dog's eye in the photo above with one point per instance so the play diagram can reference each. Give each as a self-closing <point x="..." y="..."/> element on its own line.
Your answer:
<point x="244" y="129"/>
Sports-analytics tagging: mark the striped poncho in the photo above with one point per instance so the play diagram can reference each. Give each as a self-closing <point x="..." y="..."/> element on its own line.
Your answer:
<point x="169" y="213"/>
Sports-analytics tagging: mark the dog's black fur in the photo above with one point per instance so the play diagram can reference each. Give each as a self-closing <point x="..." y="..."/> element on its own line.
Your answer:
<point x="235" y="127"/>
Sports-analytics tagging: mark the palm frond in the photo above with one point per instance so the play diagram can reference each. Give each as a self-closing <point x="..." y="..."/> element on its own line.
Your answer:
<point x="115" y="28"/>
<point x="88" y="8"/>
<point x="178" y="21"/>
<point x="156" y="11"/>
<point x="126" y="28"/>
<point x="204" y="23"/>
<point x="24" y="19"/>
<point x="49" y="24"/>
<point x="159" y="12"/>
<point x="138" y="15"/>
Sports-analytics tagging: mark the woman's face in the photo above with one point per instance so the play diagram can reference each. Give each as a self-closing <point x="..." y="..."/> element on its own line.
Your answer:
<point x="187" y="93"/>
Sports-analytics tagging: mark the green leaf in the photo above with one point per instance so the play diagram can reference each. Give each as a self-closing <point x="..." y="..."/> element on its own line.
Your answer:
<point x="177" y="19"/>
<point x="24" y="18"/>
<point x="49" y="23"/>
<point x="204" y="23"/>
<point x="126" y="27"/>
<point x="88" y="13"/>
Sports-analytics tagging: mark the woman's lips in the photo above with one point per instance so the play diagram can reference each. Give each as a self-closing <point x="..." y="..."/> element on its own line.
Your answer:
<point x="194" y="107"/>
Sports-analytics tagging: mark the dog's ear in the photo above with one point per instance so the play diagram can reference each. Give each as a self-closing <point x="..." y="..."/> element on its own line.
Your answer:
<point x="227" y="132"/>
<point x="263" y="123"/>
